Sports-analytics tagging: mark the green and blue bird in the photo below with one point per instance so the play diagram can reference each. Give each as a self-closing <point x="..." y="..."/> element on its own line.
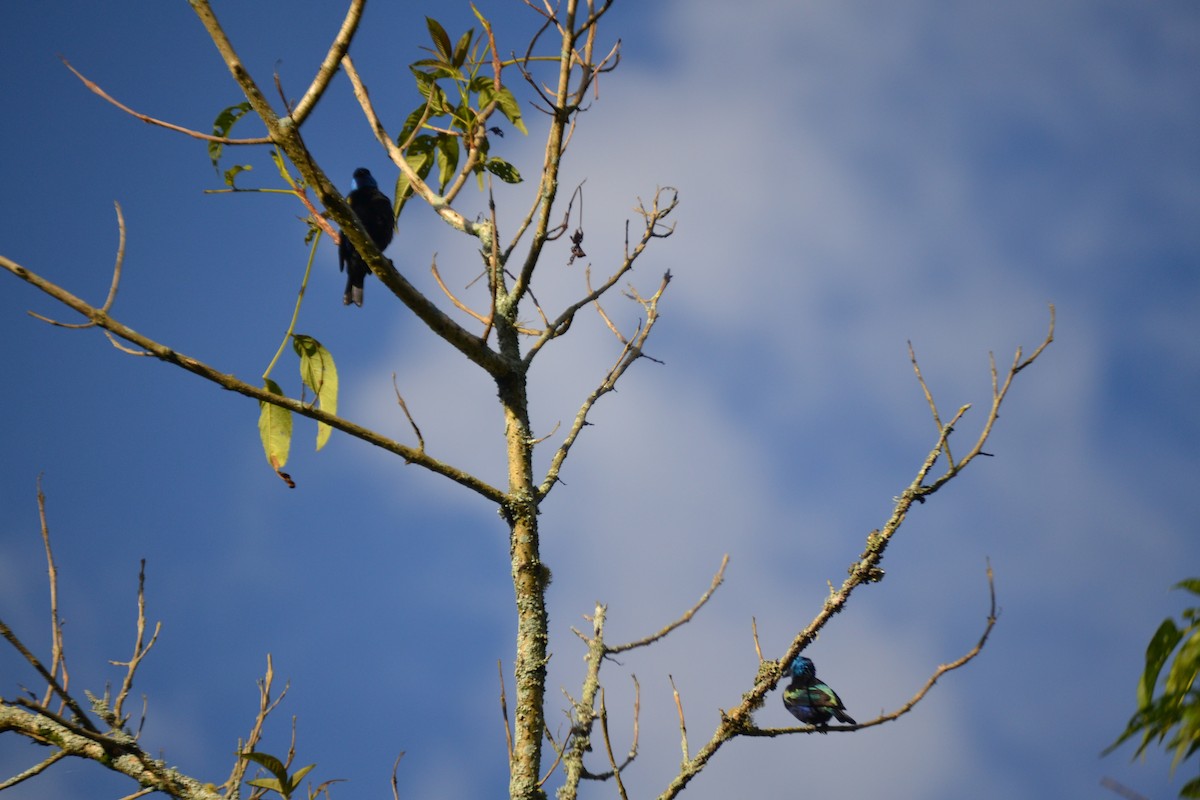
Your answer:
<point x="811" y="701"/>
<point x="374" y="211"/>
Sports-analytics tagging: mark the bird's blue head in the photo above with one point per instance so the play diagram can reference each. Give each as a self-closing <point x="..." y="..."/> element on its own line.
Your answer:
<point x="363" y="179"/>
<point x="803" y="667"/>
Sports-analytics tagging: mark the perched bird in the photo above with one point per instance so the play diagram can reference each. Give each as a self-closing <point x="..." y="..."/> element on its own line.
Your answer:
<point x="374" y="211"/>
<point x="811" y="701"/>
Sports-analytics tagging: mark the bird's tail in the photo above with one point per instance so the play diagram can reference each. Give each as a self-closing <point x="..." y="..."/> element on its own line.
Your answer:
<point x="354" y="294"/>
<point x="844" y="717"/>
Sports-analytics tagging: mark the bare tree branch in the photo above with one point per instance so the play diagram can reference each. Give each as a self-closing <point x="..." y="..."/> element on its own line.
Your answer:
<point x="737" y="720"/>
<point x="227" y="381"/>
<point x="962" y="661"/>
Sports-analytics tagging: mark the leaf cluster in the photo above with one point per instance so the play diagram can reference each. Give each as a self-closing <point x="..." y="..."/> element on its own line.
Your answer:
<point x="1175" y="712"/>
<point x="319" y="374"/>
<point x="281" y="783"/>
<point x="457" y="98"/>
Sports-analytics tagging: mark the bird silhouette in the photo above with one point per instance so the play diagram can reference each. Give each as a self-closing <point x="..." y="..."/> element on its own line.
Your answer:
<point x="811" y="701"/>
<point x="374" y="211"/>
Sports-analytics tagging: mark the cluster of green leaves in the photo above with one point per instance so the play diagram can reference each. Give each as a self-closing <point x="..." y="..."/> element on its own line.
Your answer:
<point x="281" y="783"/>
<point x="435" y="131"/>
<point x="1177" y="707"/>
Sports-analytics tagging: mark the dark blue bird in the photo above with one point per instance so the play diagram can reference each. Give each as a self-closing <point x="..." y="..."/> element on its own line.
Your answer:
<point x="374" y="211"/>
<point x="811" y="701"/>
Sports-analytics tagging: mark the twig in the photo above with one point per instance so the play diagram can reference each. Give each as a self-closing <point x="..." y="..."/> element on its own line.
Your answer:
<point x="999" y="392"/>
<point x="757" y="648"/>
<point x="395" y="784"/>
<point x="494" y="272"/>
<point x="139" y="651"/>
<point x="683" y="743"/>
<point x="717" y="580"/>
<point x="912" y="356"/>
<point x="608" y="748"/>
<point x="112" y="290"/>
<point x="396" y="154"/>
<point x="411" y="421"/>
<point x="600" y="309"/>
<point x="541" y="439"/>
<point x="58" y="656"/>
<point x="81" y="718"/>
<point x="139" y="793"/>
<point x="265" y="706"/>
<point x="208" y="137"/>
<point x="1121" y="789"/>
<point x="329" y="66"/>
<point x="653" y="228"/>
<point x="504" y="712"/>
<point x="33" y="771"/>
<point x="558" y="756"/>
<point x="993" y="615"/>
<point x="461" y="306"/>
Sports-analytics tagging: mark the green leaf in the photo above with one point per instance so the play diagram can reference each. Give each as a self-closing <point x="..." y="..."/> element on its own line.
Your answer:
<point x="427" y="86"/>
<point x="462" y="48"/>
<point x="1157" y="653"/>
<point x="503" y="170"/>
<point x="506" y="102"/>
<point x="318" y="372"/>
<point x="1191" y="584"/>
<point x="410" y="125"/>
<point x="440" y="40"/>
<point x="420" y="157"/>
<point x="435" y="70"/>
<point x="464" y="117"/>
<point x="447" y="158"/>
<point x="1191" y="789"/>
<point x="269" y="783"/>
<point x="232" y="173"/>
<point x="268" y="762"/>
<point x="275" y="428"/>
<point x="222" y="125"/>
<point x="1183" y="672"/>
<point x="300" y="773"/>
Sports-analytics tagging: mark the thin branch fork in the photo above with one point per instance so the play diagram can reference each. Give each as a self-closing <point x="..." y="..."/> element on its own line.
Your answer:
<point x="463" y="307"/>
<point x="632" y="351"/>
<point x="140" y="648"/>
<point x="315" y="91"/>
<point x="584" y="713"/>
<point x="654" y="228"/>
<point x="265" y="706"/>
<point x="999" y="392"/>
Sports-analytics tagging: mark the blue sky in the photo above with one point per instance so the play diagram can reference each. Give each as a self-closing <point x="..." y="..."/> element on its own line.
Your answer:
<point x="853" y="175"/>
